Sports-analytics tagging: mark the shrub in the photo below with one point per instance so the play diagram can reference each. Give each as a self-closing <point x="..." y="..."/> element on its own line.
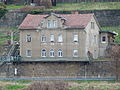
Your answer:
<point x="32" y="8"/>
<point x="3" y="10"/>
<point x="51" y="85"/>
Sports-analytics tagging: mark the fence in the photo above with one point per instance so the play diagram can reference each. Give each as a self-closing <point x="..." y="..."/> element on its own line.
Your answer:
<point x="9" y="58"/>
<point x="78" y="1"/>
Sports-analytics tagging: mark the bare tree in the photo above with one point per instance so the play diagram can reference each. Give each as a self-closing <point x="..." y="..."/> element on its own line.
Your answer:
<point x="53" y="2"/>
<point x="46" y="3"/>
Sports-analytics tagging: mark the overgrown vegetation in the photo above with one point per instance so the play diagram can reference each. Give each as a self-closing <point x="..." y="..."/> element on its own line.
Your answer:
<point x="114" y="29"/>
<point x="3" y="10"/>
<point x="14" y="87"/>
<point x="96" y="85"/>
<point x="6" y="36"/>
<point x="86" y="6"/>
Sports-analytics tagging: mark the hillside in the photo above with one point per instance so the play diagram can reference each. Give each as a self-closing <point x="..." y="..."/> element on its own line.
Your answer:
<point x="87" y="6"/>
<point x="77" y="6"/>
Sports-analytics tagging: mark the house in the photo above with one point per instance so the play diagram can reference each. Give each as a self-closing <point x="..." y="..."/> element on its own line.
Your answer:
<point x="62" y="37"/>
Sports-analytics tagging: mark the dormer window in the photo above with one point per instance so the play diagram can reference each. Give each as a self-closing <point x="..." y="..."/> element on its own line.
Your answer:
<point x="52" y="24"/>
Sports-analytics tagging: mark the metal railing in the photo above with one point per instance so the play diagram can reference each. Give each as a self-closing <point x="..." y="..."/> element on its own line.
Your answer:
<point x="9" y="58"/>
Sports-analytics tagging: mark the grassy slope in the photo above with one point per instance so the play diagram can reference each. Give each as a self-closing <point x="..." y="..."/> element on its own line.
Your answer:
<point x="14" y="6"/>
<point x="87" y="6"/>
<point x="79" y="6"/>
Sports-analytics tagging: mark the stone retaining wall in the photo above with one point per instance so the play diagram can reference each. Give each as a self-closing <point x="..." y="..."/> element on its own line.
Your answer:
<point x="95" y="69"/>
<point x="105" y="17"/>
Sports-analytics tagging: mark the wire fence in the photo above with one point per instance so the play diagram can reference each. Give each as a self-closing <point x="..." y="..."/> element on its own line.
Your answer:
<point x="82" y="79"/>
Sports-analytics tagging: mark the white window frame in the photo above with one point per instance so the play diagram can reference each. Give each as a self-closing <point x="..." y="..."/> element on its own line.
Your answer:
<point x="60" y="53"/>
<point x="27" y="53"/>
<point x="75" y="38"/>
<point x="54" y="23"/>
<point x="75" y="51"/>
<point x="51" y="38"/>
<point x="43" y="38"/>
<point x="60" y="38"/>
<point x="51" y="24"/>
<point x="28" y="38"/>
<point x="52" y="53"/>
<point x="102" y="39"/>
<point x="43" y="54"/>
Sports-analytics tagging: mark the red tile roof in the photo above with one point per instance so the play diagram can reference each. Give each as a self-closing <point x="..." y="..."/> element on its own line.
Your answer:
<point x="72" y="20"/>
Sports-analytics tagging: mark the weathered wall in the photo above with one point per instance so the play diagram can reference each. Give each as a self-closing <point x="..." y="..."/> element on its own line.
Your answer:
<point x="105" y="17"/>
<point x="12" y="19"/>
<point x="95" y="69"/>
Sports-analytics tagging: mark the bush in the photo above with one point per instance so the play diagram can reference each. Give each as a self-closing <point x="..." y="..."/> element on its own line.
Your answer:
<point x="32" y="8"/>
<point x="3" y="10"/>
<point x="51" y="85"/>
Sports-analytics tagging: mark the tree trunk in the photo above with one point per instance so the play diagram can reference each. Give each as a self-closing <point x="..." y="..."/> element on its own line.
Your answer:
<point x="53" y="2"/>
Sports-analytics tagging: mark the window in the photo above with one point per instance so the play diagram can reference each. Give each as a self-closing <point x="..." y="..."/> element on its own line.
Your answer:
<point x="43" y="53"/>
<point x="52" y="24"/>
<point x="75" y="38"/>
<point x="75" y="53"/>
<point x="43" y="38"/>
<point x="103" y="39"/>
<point x="28" y="38"/>
<point x="52" y="38"/>
<point x="60" y="39"/>
<point x="28" y="53"/>
<point x="60" y="54"/>
<point x="49" y="24"/>
<point x="51" y="53"/>
<point x="92" y="25"/>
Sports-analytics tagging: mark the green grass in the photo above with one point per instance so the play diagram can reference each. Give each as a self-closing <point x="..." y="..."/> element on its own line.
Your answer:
<point x="20" y="81"/>
<point x="14" y="6"/>
<point x="77" y="6"/>
<point x="23" y="82"/>
<point x="14" y="87"/>
<point x="86" y="6"/>
<point x="116" y="29"/>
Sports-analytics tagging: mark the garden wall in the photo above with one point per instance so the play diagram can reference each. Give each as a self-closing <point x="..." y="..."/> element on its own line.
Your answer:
<point x="94" y="69"/>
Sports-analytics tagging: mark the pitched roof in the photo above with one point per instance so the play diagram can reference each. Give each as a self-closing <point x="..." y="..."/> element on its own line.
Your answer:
<point x="71" y="20"/>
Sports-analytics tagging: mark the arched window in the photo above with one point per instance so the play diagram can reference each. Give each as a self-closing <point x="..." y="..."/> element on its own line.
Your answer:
<point x="43" y="53"/>
<point x="60" y="39"/>
<point x="51" y="53"/>
<point x="60" y="54"/>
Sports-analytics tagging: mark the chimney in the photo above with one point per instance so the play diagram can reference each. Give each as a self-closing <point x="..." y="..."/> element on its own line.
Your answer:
<point x="74" y="12"/>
